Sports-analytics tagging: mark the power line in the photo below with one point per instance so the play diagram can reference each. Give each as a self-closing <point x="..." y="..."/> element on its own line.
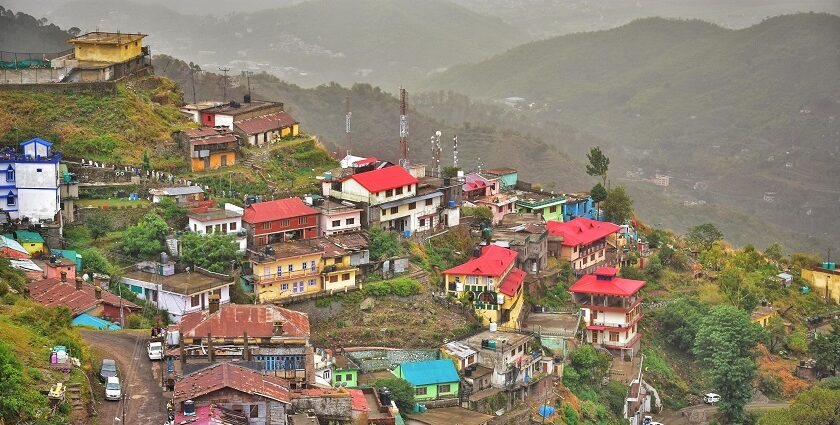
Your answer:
<point x="224" y="95"/>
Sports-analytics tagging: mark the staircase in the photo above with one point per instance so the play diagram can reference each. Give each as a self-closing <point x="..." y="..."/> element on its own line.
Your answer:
<point x="74" y="393"/>
<point x="172" y="246"/>
<point x="418" y="274"/>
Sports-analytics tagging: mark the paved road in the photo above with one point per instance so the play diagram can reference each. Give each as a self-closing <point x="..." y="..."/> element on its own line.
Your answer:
<point x="702" y="413"/>
<point x="145" y="403"/>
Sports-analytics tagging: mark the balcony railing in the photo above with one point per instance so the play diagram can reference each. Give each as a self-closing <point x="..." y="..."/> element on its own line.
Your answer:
<point x="274" y="277"/>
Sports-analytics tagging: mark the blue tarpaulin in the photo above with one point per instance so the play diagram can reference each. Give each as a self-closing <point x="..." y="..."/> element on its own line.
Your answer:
<point x="88" y="321"/>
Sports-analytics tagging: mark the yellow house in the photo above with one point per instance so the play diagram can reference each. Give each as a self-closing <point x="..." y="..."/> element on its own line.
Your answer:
<point x="492" y="284"/>
<point x="826" y="282"/>
<point x="111" y="47"/>
<point x="337" y="274"/>
<point x="32" y="242"/>
<point x="762" y="315"/>
<point x="286" y="270"/>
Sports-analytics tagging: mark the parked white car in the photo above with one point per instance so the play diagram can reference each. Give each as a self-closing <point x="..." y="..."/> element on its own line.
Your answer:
<point x="711" y="398"/>
<point x="113" y="391"/>
<point x="155" y="351"/>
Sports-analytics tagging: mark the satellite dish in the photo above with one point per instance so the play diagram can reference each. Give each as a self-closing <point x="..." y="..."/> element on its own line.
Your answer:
<point x="438" y="133"/>
<point x="85" y="277"/>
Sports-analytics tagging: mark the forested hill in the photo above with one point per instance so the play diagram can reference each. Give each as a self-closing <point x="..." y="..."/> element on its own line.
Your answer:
<point x="20" y="32"/>
<point x="386" y="43"/>
<point x="730" y="115"/>
<point x="375" y="125"/>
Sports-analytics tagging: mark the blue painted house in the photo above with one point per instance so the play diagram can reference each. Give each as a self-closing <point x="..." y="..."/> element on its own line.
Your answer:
<point x="577" y="206"/>
<point x="29" y="183"/>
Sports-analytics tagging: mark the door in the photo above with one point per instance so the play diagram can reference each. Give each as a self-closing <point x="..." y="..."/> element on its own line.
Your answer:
<point x="207" y="163"/>
<point x="594" y="337"/>
<point x="224" y="160"/>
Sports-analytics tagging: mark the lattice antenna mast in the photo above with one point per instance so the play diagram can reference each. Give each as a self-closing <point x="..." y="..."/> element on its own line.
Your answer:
<point x="403" y="130"/>
<point x="347" y="115"/>
<point x="455" y="151"/>
<point x="436" y="151"/>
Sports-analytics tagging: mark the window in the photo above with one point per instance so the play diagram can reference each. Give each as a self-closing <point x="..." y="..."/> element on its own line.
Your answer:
<point x="195" y="300"/>
<point x="350" y="221"/>
<point x="10" y="200"/>
<point x="232" y="227"/>
<point x="255" y="411"/>
<point x="303" y="266"/>
<point x="302" y="220"/>
<point x="552" y="209"/>
<point x="399" y="191"/>
<point x="592" y="257"/>
<point x="443" y="388"/>
<point x="472" y="280"/>
<point x="279" y="271"/>
<point x="488" y="281"/>
<point x="429" y="202"/>
<point x="10" y="175"/>
<point x="345" y="276"/>
<point x="311" y="282"/>
<point x="338" y="377"/>
<point x="265" y="226"/>
<point x="336" y="223"/>
<point x="284" y="223"/>
<point x="512" y="352"/>
<point x="334" y="278"/>
<point x="291" y="268"/>
<point x="39" y="170"/>
<point x="312" y="265"/>
<point x="613" y="336"/>
<point x="208" y="229"/>
<point x="394" y="210"/>
<point x="420" y="391"/>
<point x="412" y="205"/>
<point x="594" y="314"/>
<point x="422" y="222"/>
<point x="284" y="286"/>
<point x="389" y="193"/>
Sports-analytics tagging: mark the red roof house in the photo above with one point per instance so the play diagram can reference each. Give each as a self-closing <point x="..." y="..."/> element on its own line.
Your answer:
<point x="494" y="261"/>
<point x="582" y="242"/>
<point x="605" y="281"/>
<point x="279" y="221"/>
<point x="581" y="231"/>
<point x="79" y="297"/>
<point x="384" y="179"/>
<point x="259" y="321"/>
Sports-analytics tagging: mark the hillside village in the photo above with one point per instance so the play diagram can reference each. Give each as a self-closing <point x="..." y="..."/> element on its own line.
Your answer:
<point x="239" y="273"/>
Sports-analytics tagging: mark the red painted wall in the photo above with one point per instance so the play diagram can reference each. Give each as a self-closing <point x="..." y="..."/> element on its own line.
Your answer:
<point x="294" y="224"/>
<point x="208" y="119"/>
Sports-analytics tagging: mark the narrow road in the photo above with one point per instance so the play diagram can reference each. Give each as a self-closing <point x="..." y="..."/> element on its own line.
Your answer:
<point x="703" y="414"/>
<point x="143" y="398"/>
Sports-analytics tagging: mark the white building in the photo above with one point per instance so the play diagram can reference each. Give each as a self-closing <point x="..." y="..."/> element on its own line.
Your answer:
<point x="177" y="293"/>
<point x="508" y="355"/>
<point x="32" y="181"/>
<point x="227" y="220"/>
<point x="336" y="217"/>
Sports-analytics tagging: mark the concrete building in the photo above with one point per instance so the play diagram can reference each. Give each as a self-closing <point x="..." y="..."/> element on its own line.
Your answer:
<point x="225" y="114"/>
<point x="549" y="205"/>
<point x="431" y="379"/>
<point x="825" y="280"/>
<point x="183" y="195"/>
<point x="337" y="217"/>
<point x="31" y="188"/>
<point x="208" y="148"/>
<point x="279" y="221"/>
<point x="508" y="356"/>
<point x="177" y="293"/>
<point x="80" y="298"/>
<point x="103" y="56"/>
<point x="508" y="177"/>
<point x="611" y="308"/>
<point x="263" y="129"/>
<point x="227" y="220"/>
<point x="287" y="270"/>
<point x="492" y="283"/>
<point x="527" y="235"/>
<point x="582" y="242"/>
<point x="261" y="399"/>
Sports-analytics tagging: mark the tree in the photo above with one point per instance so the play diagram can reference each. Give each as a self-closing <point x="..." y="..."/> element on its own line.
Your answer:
<point x="450" y="171"/>
<point x="713" y="258"/>
<point x="173" y="213"/>
<point x="598" y="164"/>
<point x="401" y="391"/>
<point x="383" y="244"/>
<point x="94" y="261"/>
<point x="703" y="236"/>
<point x="213" y="251"/>
<point x="590" y="364"/>
<point x="481" y="213"/>
<point x="724" y="344"/>
<point x="146" y="238"/>
<point x="98" y="225"/>
<point x="618" y="207"/>
<point x="146" y="162"/>
<point x="813" y="406"/>
<point x="775" y="333"/>
<point x="774" y="252"/>
<point x="739" y="288"/>
<point x="680" y="322"/>
<point x="825" y="349"/>
<point x="598" y="195"/>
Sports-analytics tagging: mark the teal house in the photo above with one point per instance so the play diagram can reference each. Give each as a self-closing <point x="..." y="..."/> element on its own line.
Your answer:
<point x="432" y="379"/>
<point x="345" y="373"/>
<point x="70" y="255"/>
<point x="507" y="177"/>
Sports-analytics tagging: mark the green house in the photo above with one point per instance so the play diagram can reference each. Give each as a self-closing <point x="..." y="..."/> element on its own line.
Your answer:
<point x="550" y="206"/>
<point x="345" y="373"/>
<point x="432" y="379"/>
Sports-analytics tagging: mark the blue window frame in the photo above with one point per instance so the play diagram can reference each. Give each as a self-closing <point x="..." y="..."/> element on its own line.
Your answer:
<point x="284" y="286"/>
<point x="311" y="282"/>
<point x="312" y="265"/>
<point x="10" y="174"/>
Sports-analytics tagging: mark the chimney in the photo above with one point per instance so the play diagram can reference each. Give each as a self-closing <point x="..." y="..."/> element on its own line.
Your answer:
<point x="211" y="354"/>
<point x="246" y="349"/>
<point x="78" y="283"/>
<point x="213" y="300"/>
<point x="98" y="291"/>
<point x="278" y="328"/>
<point x="63" y="276"/>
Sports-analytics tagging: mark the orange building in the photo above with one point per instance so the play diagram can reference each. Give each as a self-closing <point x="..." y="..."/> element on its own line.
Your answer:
<point x="209" y="148"/>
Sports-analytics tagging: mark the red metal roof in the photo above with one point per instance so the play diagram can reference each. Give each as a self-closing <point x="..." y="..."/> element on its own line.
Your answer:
<point x="279" y="209"/>
<point x="384" y="179"/>
<point x="232" y="320"/>
<point x="365" y="161"/>
<point x="358" y="402"/>
<point x="54" y="293"/>
<point x="512" y="282"/>
<point x="581" y="231"/>
<point x="264" y="123"/>
<point x="494" y="260"/>
<point x="605" y="282"/>
<point x="229" y="375"/>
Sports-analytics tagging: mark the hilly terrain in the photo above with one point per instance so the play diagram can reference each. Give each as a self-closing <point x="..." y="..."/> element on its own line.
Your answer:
<point x="384" y="42"/>
<point x="744" y="119"/>
<point x="375" y="125"/>
<point x="20" y="32"/>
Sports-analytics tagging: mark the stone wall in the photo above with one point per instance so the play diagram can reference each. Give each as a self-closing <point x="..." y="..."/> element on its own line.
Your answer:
<point x="375" y="360"/>
<point x="100" y="87"/>
<point x="330" y="406"/>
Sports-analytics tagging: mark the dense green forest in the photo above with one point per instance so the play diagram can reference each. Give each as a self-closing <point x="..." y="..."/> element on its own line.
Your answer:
<point x="20" y="32"/>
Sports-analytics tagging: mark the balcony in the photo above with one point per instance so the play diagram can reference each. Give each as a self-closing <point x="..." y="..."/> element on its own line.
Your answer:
<point x="618" y="325"/>
<point x="273" y="277"/>
<point x="338" y="268"/>
<point x="606" y="302"/>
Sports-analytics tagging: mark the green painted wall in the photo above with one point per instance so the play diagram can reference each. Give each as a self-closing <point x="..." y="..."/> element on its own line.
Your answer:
<point x="351" y="377"/>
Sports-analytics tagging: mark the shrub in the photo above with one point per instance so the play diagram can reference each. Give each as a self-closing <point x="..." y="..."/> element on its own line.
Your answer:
<point x="770" y="385"/>
<point x="401" y="287"/>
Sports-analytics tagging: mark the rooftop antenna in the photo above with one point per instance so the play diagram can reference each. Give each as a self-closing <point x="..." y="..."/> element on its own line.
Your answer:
<point x="347" y="115"/>
<point x="403" y="130"/>
<point x="224" y="95"/>
<point x="455" y="151"/>
<point x="436" y="150"/>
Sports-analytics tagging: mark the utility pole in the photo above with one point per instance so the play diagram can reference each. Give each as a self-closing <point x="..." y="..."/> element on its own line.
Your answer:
<point x="403" y="130"/>
<point x="347" y="115"/>
<point x="225" y="71"/>
<point x="192" y="78"/>
<point x="455" y="151"/>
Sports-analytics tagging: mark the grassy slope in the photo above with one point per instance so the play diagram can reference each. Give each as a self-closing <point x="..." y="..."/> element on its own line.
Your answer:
<point x="141" y="116"/>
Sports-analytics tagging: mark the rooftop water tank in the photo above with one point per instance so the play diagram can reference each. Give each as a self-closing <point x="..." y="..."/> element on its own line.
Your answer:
<point x="493" y="328"/>
<point x="451" y="203"/>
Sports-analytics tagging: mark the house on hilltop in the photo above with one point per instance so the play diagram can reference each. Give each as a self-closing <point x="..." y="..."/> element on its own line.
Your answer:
<point x="279" y="221"/>
<point x="208" y="148"/>
<point x="582" y="242"/>
<point x="32" y="182"/>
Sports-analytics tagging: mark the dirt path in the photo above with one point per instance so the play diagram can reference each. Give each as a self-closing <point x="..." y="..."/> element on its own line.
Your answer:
<point x="144" y="400"/>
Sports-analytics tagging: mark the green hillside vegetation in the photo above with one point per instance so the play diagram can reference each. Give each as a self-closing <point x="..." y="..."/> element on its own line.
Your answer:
<point x="24" y="33"/>
<point x="386" y="42"/>
<point x="94" y="126"/>
<point x="742" y="111"/>
<point x="375" y="125"/>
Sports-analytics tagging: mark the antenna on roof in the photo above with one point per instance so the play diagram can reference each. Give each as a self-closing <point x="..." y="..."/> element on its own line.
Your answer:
<point x="455" y="151"/>
<point x="347" y="115"/>
<point x="403" y="130"/>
